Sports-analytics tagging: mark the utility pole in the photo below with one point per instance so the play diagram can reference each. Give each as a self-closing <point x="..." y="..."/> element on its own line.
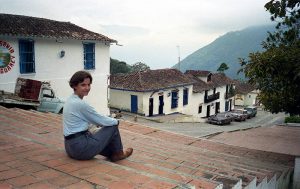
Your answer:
<point x="178" y="48"/>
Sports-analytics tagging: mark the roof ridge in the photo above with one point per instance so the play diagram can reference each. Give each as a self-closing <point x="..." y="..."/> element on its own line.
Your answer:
<point x="40" y="18"/>
<point x="11" y="24"/>
<point x="150" y="80"/>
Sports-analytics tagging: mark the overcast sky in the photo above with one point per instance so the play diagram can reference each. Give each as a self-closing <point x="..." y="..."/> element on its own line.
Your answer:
<point x="155" y="32"/>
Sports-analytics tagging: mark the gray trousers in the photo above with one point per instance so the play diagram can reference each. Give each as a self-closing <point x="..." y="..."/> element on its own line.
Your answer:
<point x="105" y="141"/>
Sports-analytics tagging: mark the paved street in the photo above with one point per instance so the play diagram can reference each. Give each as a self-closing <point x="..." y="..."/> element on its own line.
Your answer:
<point x="262" y="119"/>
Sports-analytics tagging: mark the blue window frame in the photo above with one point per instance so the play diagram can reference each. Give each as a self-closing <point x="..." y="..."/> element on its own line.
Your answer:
<point x="185" y="96"/>
<point x="174" y="103"/>
<point x="89" y="56"/>
<point x="26" y="53"/>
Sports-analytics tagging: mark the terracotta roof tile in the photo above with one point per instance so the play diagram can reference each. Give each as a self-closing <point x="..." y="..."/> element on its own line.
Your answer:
<point x="220" y="79"/>
<point x="243" y="87"/>
<point x="217" y="80"/>
<point x="26" y="26"/>
<point x="31" y="146"/>
<point x="150" y="80"/>
<point x="278" y="139"/>
<point x="199" y="85"/>
<point x="198" y="73"/>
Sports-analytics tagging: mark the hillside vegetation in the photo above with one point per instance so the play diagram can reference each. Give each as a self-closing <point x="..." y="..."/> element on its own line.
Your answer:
<point x="227" y="49"/>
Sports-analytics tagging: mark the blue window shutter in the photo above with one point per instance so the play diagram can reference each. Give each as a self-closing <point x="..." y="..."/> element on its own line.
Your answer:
<point x="26" y="53"/>
<point x="174" y="102"/>
<point x="89" y="56"/>
<point x="93" y="61"/>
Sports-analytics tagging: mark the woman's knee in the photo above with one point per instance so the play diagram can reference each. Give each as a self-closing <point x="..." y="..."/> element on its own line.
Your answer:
<point x="107" y="131"/>
<point x="115" y="128"/>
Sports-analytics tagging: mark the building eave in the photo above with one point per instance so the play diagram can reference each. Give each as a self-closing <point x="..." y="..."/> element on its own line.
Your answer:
<point x="20" y="36"/>
<point x="150" y="90"/>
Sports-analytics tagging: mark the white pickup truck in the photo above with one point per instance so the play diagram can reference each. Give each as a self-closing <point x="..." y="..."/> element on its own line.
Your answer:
<point x="32" y="94"/>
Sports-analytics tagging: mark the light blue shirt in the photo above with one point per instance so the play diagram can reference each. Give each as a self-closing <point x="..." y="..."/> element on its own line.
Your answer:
<point x="78" y="115"/>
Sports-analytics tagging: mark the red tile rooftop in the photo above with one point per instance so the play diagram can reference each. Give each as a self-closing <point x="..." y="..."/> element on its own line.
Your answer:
<point x="277" y="139"/>
<point x="32" y="156"/>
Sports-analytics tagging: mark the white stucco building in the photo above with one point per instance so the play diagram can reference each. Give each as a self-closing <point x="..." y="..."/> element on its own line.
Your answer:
<point x="212" y="93"/>
<point x="48" y="50"/>
<point x="152" y="92"/>
<point x="167" y="91"/>
<point x="246" y="94"/>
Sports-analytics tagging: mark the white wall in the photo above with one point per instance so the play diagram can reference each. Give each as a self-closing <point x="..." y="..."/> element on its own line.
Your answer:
<point x="122" y="100"/>
<point x="222" y="99"/>
<point x="167" y="95"/>
<point x="250" y="99"/>
<point x="239" y="99"/>
<point x="50" y="67"/>
<point x="196" y="100"/>
<point x="203" y="78"/>
<point x="246" y="99"/>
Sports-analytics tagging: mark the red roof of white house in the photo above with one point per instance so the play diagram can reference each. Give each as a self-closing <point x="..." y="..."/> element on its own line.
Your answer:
<point x="27" y="26"/>
<point x="149" y="80"/>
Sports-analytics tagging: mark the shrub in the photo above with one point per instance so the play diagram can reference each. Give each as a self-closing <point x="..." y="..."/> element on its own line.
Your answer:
<point x="292" y="119"/>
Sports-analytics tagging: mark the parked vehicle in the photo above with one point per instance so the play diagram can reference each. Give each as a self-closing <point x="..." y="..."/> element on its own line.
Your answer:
<point x="228" y="115"/>
<point x="251" y="110"/>
<point x="239" y="114"/>
<point x="220" y="119"/>
<point x="32" y="94"/>
<point x="248" y="115"/>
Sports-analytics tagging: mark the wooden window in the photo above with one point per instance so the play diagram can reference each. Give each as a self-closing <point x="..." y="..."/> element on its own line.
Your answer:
<point x="26" y="53"/>
<point x="174" y="103"/>
<point x="89" y="56"/>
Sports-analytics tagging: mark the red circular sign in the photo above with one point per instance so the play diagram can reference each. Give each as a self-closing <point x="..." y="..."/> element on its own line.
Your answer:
<point x="7" y="59"/>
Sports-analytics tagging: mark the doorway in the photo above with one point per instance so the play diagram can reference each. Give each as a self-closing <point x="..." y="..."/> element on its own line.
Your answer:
<point x="134" y="103"/>
<point x="217" y="110"/>
<point x="208" y="111"/>
<point x="150" y="107"/>
<point x="161" y="105"/>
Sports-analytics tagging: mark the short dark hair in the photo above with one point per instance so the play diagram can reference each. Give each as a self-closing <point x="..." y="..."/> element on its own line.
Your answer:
<point x="79" y="77"/>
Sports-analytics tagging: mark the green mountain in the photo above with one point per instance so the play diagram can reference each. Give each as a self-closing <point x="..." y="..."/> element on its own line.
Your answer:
<point x="227" y="48"/>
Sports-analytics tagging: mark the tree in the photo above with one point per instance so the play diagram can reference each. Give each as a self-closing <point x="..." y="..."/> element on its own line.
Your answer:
<point x="287" y="15"/>
<point x="222" y="68"/>
<point x="117" y="66"/>
<point x="139" y="66"/>
<point x="276" y="70"/>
